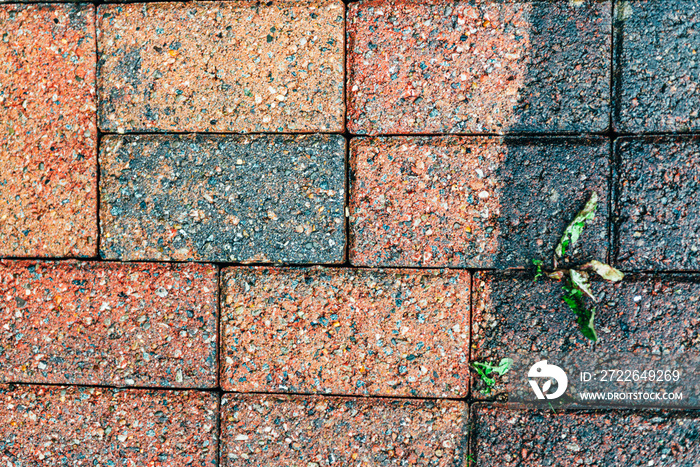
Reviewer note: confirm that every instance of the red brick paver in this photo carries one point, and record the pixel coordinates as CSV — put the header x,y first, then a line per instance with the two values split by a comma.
x,y
108,323
263,198
77,426
48,133
657,47
240,66
659,203
345,331
489,66
507,438
645,314
472,202
315,431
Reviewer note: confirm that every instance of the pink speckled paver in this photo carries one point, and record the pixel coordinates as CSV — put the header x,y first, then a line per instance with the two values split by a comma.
x,y
505,437
479,202
108,323
312,431
345,331
241,66
48,132
486,66
79,426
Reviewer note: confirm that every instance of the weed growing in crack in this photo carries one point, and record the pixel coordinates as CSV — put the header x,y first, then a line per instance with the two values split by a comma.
x,y
486,369
576,280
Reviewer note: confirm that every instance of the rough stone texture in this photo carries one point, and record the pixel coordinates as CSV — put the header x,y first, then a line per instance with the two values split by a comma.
x,y
506,438
473,202
216,198
657,45
658,204
345,331
108,323
240,66
306,431
475,67
78,426
48,133
646,314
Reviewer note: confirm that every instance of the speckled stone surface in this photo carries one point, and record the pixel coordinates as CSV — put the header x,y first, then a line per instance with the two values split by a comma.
x,y
506,438
48,133
315,431
657,47
476,67
473,202
108,323
241,66
79,426
643,313
658,204
216,198
345,331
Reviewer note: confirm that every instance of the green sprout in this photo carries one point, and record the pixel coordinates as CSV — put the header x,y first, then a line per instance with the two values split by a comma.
x,y
538,265
484,370
576,281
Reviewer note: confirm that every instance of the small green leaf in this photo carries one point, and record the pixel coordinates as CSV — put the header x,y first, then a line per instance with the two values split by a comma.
x,y
485,369
581,280
605,271
584,316
503,366
575,228
538,265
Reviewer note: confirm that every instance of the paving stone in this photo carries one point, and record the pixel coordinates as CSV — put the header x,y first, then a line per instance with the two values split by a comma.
x,y
345,331
56,426
108,323
241,66
658,222
506,437
658,71
48,135
475,67
473,202
648,314
307,431
259,198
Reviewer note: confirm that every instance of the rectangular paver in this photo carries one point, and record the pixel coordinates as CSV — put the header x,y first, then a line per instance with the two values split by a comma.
x,y
108,323
314,431
476,67
345,331
79,426
643,313
505,438
473,202
659,203
658,73
241,66
259,198
48,132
